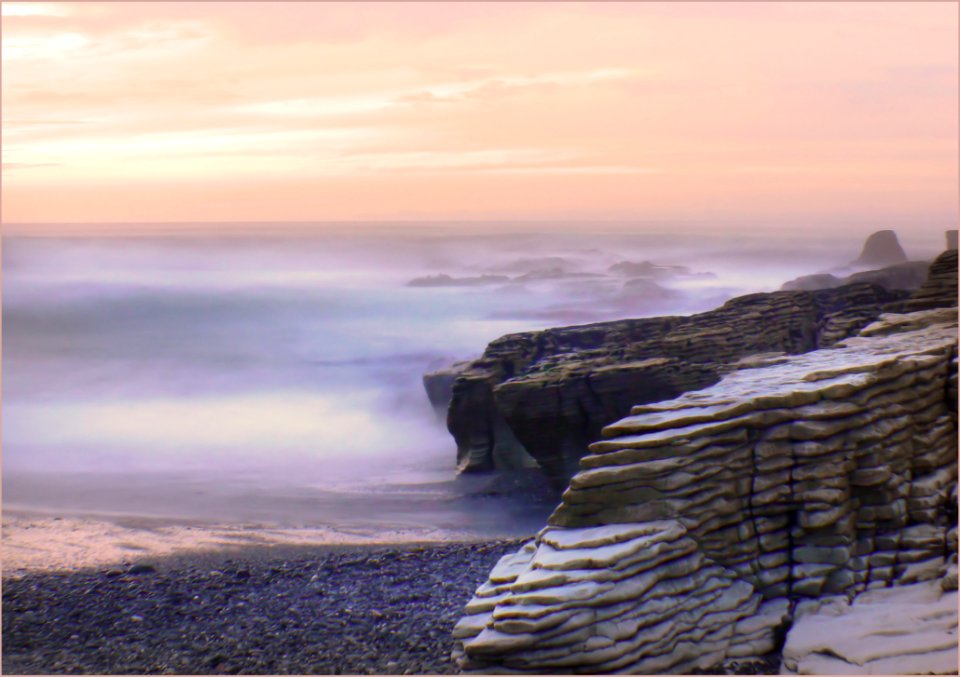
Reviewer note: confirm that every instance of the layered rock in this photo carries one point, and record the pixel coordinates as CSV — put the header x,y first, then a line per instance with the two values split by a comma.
x,y
887,631
881,249
940,289
691,532
550,392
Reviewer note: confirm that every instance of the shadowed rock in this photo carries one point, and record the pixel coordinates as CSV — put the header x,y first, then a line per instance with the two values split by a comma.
x,y
940,289
439,386
548,393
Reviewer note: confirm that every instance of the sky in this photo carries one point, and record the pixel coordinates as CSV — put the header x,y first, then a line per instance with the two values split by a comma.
x,y
807,114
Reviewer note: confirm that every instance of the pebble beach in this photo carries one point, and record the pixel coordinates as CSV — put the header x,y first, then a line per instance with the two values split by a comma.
x,y
274,608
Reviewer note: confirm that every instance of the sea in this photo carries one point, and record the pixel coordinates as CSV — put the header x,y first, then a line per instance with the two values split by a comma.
x,y
272,373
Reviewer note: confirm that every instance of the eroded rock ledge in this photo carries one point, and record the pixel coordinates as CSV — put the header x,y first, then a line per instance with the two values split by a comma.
x,y
695,530
549,393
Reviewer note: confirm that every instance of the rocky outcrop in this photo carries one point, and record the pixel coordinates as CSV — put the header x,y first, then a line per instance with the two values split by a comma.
x,y
940,289
813,282
694,531
439,387
550,392
910,276
881,249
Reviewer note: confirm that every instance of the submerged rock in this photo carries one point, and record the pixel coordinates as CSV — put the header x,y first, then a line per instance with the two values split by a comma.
x,y
698,529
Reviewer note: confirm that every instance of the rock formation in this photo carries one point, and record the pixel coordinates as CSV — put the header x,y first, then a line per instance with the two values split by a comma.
x,y
439,387
550,392
813,282
910,275
881,249
885,631
701,527
940,289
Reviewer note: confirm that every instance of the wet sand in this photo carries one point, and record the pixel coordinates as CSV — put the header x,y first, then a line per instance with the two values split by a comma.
x,y
37,542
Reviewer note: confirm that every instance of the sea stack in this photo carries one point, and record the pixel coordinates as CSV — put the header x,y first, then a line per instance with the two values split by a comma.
x,y
881,249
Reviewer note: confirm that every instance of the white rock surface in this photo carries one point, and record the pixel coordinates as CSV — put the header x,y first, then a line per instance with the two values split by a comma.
x,y
903,629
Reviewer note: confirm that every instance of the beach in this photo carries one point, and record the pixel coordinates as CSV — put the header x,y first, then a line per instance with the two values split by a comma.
x,y
132,595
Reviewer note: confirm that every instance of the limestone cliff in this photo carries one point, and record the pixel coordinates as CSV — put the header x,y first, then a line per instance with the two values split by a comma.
x,y
697,527
550,392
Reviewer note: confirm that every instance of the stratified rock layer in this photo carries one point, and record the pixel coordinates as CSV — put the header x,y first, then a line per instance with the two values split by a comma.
x,y
692,530
550,392
940,289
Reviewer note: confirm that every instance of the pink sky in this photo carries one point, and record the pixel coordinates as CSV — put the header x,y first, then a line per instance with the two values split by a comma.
x,y
814,113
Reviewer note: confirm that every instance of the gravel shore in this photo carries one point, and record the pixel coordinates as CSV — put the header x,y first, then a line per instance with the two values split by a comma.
x,y
310,610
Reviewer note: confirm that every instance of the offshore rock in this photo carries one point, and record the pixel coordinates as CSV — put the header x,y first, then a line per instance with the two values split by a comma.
x,y
549,393
881,249
700,528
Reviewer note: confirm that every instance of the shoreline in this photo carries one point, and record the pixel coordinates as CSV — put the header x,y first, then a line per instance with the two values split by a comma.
x,y
39,542
347,608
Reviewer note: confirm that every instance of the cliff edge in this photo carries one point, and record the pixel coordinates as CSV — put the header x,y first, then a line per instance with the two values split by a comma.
x,y
702,528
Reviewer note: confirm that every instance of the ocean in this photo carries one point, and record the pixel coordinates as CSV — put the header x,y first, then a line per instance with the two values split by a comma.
x,y
273,374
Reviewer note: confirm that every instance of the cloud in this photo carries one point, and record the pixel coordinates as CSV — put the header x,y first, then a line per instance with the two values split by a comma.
x,y
47,9
15,166
635,107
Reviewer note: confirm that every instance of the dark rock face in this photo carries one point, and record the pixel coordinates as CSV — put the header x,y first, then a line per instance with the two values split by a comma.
x,y
881,249
940,289
439,386
550,392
